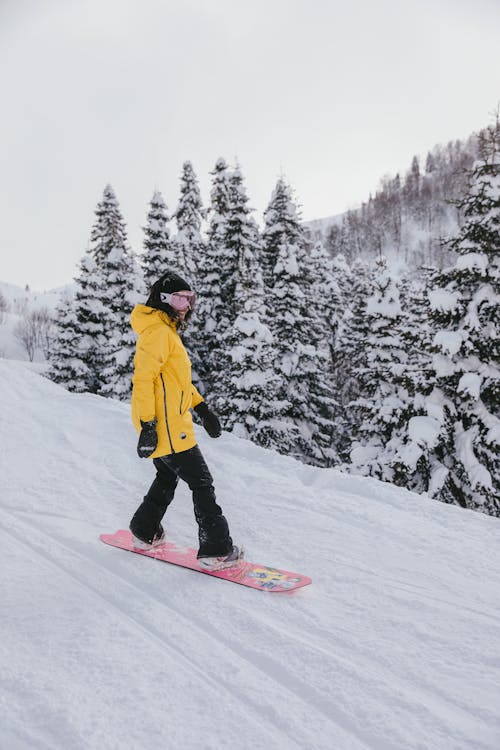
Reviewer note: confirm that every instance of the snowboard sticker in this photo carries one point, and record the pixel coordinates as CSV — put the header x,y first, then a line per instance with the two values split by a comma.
x,y
246,573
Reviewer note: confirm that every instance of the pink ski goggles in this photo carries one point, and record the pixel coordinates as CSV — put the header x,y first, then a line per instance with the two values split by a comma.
x,y
179,301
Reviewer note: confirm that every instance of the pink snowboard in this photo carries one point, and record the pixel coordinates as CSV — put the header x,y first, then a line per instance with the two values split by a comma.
x,y
246,573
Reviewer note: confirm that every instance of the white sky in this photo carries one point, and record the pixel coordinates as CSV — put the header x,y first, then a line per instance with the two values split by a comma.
x,y
332,94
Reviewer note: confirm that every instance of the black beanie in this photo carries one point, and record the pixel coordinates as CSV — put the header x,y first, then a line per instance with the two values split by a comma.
x,y
168,283
172,282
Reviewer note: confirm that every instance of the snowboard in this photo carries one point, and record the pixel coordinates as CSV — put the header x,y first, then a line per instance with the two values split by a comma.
x,y
246,573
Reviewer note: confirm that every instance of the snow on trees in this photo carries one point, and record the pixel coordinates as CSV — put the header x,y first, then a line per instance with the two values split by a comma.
x,y
67,367
349,356
281,224
237,253
94,344
322,300
293,274
117,293
382,399
210,312
250,403
76,359
189,249
466,319
160,252
410,454
189,214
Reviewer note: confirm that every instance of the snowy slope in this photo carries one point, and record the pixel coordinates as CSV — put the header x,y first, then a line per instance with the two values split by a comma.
x,y
395,645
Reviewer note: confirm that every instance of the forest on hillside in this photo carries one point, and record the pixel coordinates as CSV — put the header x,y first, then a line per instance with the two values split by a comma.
x,y
410,214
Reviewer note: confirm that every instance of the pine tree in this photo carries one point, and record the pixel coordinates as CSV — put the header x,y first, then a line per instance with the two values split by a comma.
x,y
189,214
301,331
220,198
293,355
210,312
241,239
409,455
66,366
240,233
281,224
76,357
466,318
99,356
342,278
117,292
323,297
350,356
160,252
250,403
383,402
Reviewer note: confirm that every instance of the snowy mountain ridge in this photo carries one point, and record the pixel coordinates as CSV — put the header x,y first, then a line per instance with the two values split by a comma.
x,y
394,645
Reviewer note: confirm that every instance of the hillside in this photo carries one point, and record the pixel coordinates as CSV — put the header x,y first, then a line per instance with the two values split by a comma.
x,y
410,213
394,645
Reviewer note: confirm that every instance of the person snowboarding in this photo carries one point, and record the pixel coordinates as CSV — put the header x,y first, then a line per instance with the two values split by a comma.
x,y
162,398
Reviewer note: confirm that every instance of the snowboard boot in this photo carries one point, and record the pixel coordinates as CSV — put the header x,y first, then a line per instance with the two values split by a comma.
x,y
147,544
231,560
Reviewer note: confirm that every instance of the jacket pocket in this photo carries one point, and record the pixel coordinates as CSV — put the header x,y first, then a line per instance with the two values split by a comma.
x,y
180,405
165,412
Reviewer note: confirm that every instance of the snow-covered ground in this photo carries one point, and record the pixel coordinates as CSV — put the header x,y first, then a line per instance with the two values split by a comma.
x,y
394,646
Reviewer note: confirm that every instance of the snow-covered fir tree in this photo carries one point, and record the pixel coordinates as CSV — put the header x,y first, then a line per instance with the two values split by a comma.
x,y
240,233
301,335
64,367
220,197
240,239
349,356
383,401
342,281
410,459
322,300
74,355
293,353
281,224
189,214
160,252
210,312
290,256
466,317
94,344
118,292
251,384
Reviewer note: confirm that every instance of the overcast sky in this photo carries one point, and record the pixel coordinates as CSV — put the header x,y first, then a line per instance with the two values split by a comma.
x,y
332,94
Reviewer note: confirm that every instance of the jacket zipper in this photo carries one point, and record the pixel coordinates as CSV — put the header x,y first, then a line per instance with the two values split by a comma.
x,y
180,405
165,408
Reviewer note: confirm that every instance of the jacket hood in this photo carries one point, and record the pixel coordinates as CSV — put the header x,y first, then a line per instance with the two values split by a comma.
x,y
143,317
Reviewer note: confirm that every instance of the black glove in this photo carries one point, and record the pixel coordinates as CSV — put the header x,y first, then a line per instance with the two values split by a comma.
x,y
148,439
209,420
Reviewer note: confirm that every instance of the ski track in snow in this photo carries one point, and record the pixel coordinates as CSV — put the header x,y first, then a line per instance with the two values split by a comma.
x,y
394,646
276,674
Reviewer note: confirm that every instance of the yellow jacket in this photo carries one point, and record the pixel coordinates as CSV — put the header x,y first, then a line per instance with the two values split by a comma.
x,y
162,386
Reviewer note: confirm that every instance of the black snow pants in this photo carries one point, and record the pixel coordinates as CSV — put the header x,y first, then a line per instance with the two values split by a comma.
x,y
190,466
